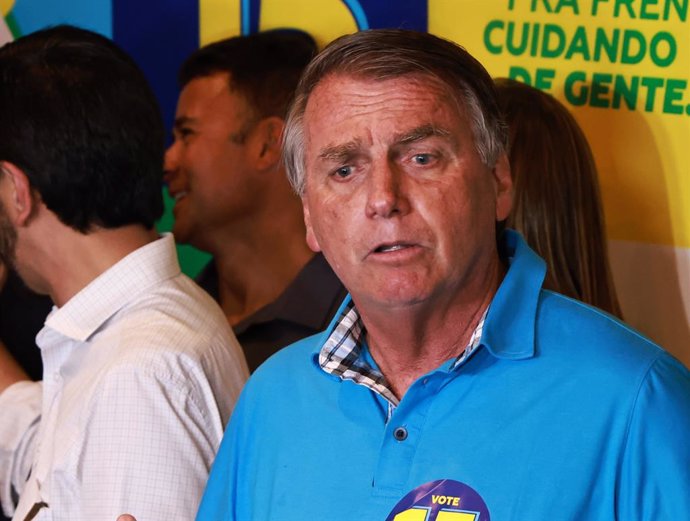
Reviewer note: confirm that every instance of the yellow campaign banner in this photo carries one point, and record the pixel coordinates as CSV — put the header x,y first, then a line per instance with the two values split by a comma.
x,y
6,6
5,34
325,20
622,67
219,19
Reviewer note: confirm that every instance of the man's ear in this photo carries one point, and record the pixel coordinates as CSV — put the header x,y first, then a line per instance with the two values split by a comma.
x,y
503,182
22,201
268,134
312,241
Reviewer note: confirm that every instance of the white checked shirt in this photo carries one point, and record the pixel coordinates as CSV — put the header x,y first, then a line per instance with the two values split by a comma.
x,y
141,372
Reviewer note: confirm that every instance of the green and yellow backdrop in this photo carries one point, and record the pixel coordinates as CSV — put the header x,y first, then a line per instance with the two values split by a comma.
x,y
621,66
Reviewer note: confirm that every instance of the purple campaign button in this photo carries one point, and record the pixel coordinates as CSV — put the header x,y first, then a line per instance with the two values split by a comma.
x,y
441,500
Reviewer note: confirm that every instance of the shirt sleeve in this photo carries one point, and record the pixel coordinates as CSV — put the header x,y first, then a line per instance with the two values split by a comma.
x,y
20,413
655,472
149,448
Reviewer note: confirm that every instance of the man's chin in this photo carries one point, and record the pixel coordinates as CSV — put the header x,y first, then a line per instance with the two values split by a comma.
x,y
181,233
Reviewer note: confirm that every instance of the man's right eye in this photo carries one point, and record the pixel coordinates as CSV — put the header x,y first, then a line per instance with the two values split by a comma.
x,y
181,133
343,171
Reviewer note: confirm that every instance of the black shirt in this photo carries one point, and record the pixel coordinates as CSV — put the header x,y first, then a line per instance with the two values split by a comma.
x,y
303,309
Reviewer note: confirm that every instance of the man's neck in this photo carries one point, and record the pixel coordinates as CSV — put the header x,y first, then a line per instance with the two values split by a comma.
x,y
409,342
76,259
254,269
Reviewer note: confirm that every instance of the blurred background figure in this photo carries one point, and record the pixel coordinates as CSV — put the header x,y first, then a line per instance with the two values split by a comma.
x,y
556,202
141,370
22,313
232,197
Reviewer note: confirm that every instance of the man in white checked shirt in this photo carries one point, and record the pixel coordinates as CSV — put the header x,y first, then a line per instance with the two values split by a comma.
x,y
141,370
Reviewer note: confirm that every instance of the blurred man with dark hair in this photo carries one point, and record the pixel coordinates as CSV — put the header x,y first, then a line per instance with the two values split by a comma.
x,y
232,197
140,369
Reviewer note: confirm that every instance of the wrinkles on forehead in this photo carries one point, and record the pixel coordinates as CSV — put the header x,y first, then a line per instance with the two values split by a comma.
x,y
343,99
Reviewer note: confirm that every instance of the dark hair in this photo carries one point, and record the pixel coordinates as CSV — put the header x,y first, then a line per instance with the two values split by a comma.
x,y
389,53
263,67
556,201
78,117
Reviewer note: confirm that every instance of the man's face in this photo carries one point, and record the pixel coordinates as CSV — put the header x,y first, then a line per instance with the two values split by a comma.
x,y
397,196
207,165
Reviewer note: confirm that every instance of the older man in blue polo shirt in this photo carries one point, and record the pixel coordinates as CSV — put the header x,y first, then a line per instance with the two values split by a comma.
x,y
450,386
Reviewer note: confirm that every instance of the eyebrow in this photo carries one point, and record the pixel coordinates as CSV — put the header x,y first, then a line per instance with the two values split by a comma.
x,y
182,121
346,151
341,152
421,133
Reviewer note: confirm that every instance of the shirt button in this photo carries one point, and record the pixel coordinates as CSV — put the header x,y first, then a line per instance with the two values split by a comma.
x,y
400,434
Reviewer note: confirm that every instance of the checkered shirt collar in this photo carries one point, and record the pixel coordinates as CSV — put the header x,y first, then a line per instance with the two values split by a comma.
x,y
342,353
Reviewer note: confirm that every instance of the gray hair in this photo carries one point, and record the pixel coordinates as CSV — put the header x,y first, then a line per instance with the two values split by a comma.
x,y
390,53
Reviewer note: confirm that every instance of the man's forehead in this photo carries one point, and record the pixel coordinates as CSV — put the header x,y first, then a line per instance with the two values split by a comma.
x,y
208,83
432,107
211,93
334,89
363,80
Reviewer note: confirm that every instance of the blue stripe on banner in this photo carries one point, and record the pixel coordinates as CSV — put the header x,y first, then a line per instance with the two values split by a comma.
x,y
408,14
404,14
358,14
251,12
30,16
245,16
159,34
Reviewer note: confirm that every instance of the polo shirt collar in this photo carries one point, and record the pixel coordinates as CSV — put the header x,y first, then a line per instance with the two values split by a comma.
x,y
509,327
509,330
104,296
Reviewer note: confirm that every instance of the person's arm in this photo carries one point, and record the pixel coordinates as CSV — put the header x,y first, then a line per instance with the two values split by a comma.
x,y
20,414
655,470
20,411
10,370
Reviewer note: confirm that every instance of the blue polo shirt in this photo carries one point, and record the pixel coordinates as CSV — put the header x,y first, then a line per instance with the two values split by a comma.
x,y
561,413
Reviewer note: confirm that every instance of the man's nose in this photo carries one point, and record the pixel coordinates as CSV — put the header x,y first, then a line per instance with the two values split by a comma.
x,y
386,195
170,160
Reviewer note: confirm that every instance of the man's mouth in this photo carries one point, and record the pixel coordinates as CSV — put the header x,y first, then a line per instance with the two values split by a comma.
x,y
387,248
179,195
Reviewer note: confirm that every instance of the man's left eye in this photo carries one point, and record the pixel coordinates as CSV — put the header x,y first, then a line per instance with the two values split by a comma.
x,y
343,171
422,159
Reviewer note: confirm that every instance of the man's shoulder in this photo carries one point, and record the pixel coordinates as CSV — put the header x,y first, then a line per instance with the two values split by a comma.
x,y
296,358
585,334
174,324
171,337
180,302
561,313
290,372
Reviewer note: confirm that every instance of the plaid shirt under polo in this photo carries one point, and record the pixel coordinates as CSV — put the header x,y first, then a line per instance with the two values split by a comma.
x,y
342,354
